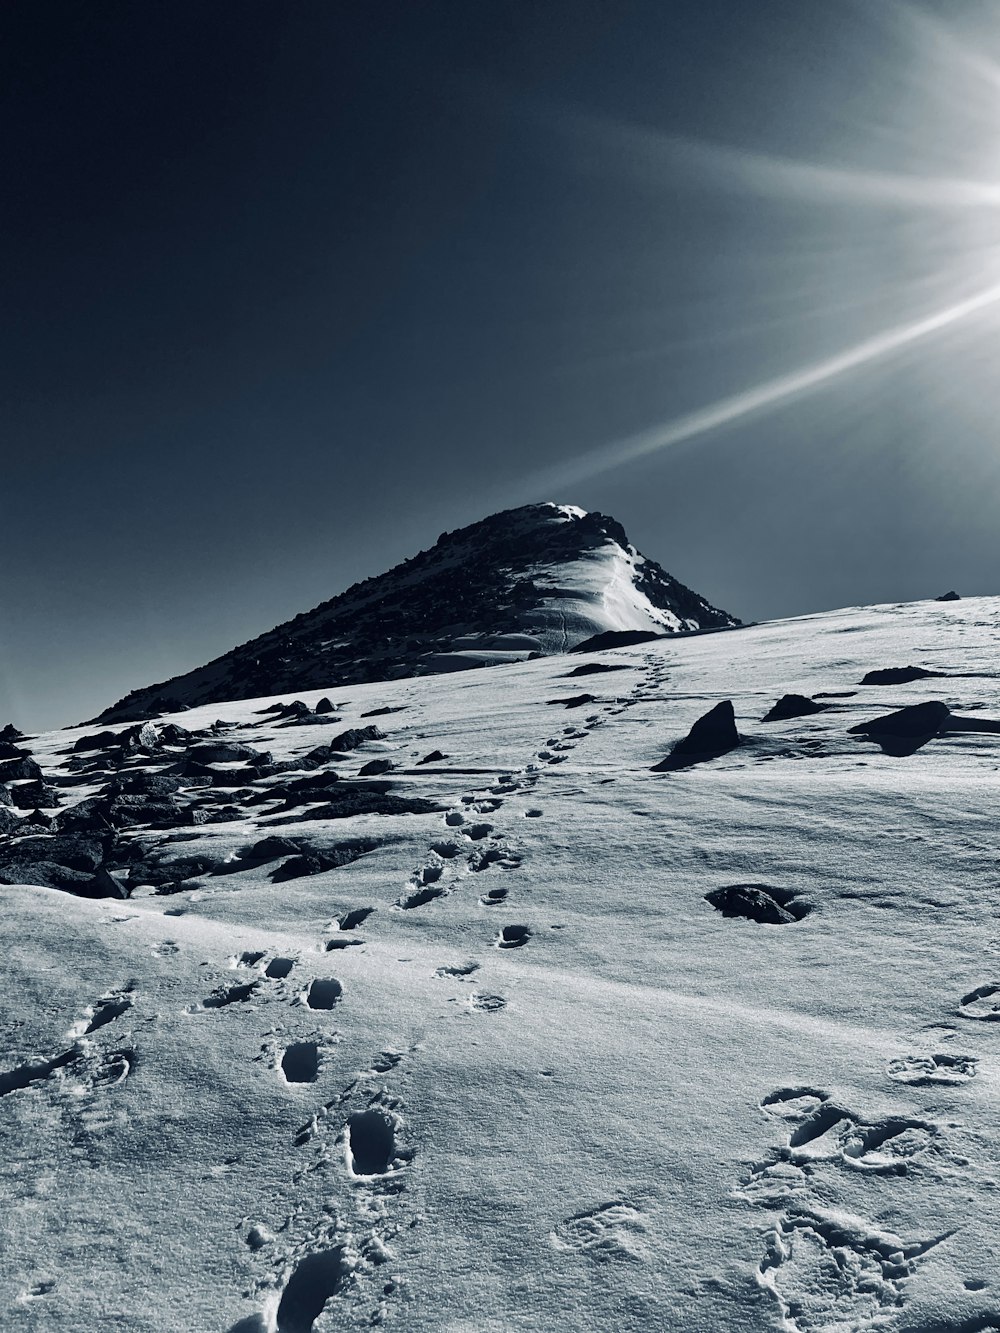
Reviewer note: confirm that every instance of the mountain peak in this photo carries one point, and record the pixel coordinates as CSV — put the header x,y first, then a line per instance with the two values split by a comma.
x,y
537,579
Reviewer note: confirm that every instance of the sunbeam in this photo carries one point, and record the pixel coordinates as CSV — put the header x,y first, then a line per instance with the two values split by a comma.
x,y
764,396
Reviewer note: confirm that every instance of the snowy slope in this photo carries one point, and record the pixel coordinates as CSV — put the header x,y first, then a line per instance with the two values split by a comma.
x,y
644,1116
539,579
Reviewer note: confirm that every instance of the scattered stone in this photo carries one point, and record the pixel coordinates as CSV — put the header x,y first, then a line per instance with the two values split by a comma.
x,y
381,712
13,770
616,638
31,795
594,668
9,822
270,849
758,902
905,731
434,757
793,705
226,752
898,675
355,736
376,766
714,734
574,701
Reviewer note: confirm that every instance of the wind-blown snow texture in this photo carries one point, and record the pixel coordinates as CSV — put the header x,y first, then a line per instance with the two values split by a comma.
x,y
503,1063
536,579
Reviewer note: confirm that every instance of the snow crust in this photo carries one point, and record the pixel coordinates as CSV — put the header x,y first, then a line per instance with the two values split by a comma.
x,y
636,1115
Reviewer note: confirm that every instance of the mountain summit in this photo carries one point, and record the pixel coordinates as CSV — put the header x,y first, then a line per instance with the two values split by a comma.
x,y
539,579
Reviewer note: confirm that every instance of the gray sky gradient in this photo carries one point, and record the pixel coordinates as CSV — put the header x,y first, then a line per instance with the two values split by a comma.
x,y
290,289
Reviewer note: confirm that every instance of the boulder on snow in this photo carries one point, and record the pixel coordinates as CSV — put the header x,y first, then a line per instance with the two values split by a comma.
x,y
374,767
948,597
898,675
434,757
31,795
905,731
14,770
226,752
355,736
758,902
616,638
793,705
714,734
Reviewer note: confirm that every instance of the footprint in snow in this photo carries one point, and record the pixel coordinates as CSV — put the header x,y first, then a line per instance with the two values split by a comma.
x,y
323,993
926,1070
612,1231
513,937
457,970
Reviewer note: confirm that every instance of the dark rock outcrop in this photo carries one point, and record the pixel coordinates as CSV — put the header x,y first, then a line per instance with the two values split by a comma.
x,y
793,705
898,675
759,902
714,734
905,731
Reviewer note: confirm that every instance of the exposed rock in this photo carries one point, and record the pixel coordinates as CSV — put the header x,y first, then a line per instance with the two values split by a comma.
x,y
79,852
324,706
270,849
434,757
616,638
905,731
594,668
714,734
11,733
793,705
376,766
52,876
31,795
365,798
948,597
9,822
8,750
140,783
226,752
574,701
13,770
355,736
383,712
898,675
758,902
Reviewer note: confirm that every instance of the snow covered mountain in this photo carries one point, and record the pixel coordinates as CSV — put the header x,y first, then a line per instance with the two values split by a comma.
x,y
538,579
456,1008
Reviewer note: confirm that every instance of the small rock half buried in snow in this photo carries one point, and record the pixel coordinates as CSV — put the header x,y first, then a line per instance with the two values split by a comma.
x,y
759,902
793,705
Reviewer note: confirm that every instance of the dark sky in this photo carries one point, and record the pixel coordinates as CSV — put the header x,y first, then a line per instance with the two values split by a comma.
x,y
289,288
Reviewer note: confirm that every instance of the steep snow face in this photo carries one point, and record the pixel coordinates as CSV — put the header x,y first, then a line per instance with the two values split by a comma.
x,y
526,1036
540,579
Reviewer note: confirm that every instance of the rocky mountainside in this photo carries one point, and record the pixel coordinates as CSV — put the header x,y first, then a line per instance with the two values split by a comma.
x,y
538,579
